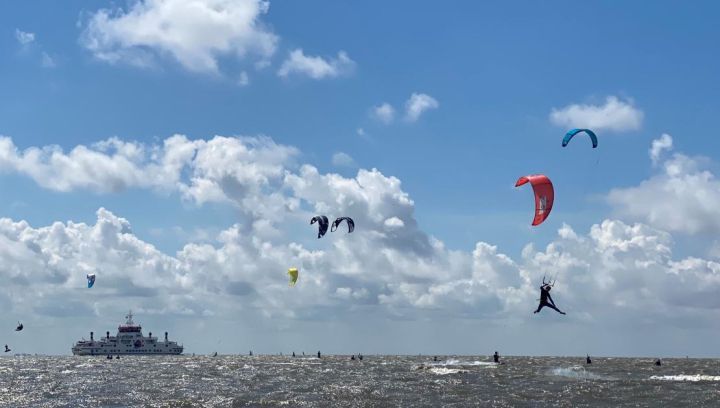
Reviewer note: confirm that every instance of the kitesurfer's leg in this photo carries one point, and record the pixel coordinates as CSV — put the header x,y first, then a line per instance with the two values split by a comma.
x,y
540,306
554,307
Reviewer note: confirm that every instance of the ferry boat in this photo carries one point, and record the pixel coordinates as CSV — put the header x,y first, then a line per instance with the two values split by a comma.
x,y
128,340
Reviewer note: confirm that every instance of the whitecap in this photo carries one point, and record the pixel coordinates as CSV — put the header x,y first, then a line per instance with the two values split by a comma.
x,y
576,372
686,377
446,371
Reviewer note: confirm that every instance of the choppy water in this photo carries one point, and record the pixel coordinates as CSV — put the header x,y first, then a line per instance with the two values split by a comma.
x,y
377,381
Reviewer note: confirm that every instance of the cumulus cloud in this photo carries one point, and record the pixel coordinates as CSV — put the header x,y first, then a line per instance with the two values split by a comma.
x,y
342,159
615,114
316,67
665,142
196,33
385,113
24,38
615,267
389,263
418,104
682,197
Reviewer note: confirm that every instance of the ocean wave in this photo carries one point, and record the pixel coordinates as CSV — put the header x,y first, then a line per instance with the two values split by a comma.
x,y
446,371
686,377
455,362
577,372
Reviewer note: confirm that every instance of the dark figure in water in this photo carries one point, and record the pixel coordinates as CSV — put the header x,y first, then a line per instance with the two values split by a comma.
x,y
546,299
318,354
587,359
435,358
496,357
117,357
657,362
360,356
353,357
250,353
7,348
293,354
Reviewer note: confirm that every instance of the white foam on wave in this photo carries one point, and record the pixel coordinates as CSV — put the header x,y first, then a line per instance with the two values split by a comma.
x,y
686,377
454,362
576,372
446,371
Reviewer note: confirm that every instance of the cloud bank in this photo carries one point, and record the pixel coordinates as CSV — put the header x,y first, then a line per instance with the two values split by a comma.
x,y
388,264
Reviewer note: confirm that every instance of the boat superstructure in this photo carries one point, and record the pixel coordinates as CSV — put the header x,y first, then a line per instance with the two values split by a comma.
x,y
128,340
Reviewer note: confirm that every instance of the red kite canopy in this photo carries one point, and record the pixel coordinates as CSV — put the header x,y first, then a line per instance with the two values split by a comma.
x,y
544,195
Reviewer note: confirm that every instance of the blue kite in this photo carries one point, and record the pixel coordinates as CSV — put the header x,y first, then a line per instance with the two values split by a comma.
x,y
569,135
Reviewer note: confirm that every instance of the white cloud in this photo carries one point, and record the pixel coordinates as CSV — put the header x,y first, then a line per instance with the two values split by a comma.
x,y
659,145
388,264
615,114
385,113
196,33
360,131
343,160
394,222
682,197
23,37
220,170
418,104
316,67
48,61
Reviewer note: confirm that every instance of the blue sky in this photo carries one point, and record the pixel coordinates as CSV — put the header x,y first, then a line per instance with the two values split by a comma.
x,y
495,71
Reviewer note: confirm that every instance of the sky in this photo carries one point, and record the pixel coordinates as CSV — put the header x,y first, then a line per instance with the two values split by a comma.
x,y
178,149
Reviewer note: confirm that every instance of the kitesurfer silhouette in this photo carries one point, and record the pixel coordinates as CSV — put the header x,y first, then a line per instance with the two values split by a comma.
x,y
587,360
496,357
546,299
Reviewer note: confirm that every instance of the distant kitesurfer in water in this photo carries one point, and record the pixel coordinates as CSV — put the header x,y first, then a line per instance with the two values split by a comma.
x,y
7,348
657,362
546,299
318,354
496,357
587,359
293,354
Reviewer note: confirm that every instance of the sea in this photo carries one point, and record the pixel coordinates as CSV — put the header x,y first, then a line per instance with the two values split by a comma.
x,y
338,381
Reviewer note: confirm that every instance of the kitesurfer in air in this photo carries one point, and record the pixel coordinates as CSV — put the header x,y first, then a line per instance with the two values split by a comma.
x,y
546,299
